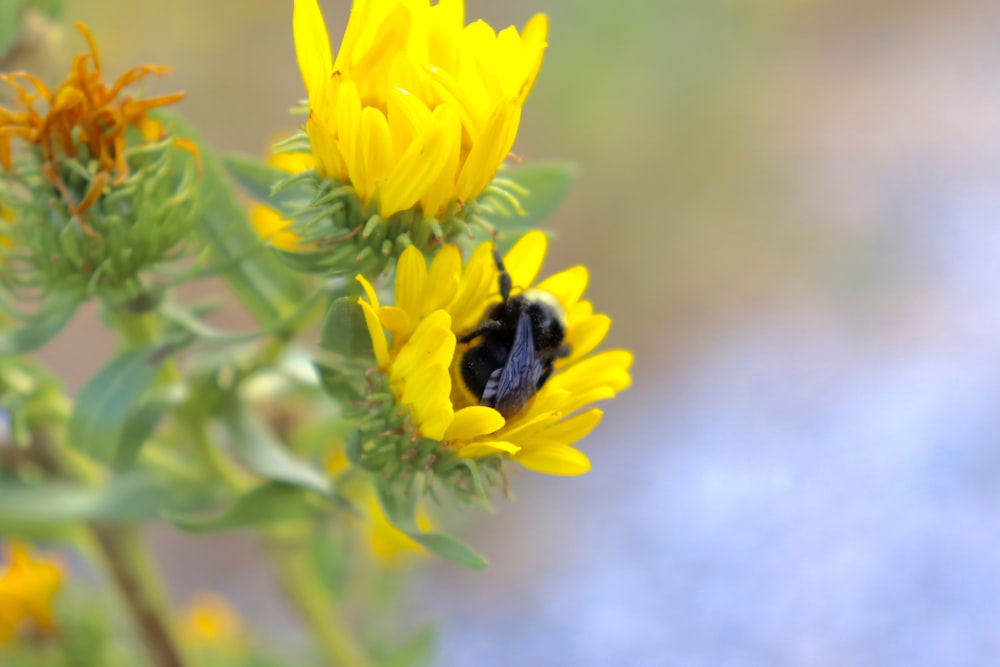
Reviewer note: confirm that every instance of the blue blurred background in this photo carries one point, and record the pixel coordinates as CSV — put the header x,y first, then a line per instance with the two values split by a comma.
x,y
791,210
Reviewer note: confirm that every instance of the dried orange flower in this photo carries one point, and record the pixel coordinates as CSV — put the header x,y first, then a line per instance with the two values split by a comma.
x,y
84,114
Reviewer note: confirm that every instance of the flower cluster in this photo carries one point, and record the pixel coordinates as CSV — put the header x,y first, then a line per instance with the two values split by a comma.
x,y
417,107
28,586
98,172
436,305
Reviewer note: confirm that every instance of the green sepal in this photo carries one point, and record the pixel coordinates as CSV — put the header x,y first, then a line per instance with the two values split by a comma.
x,y
134,496
538,189
104,406
262,453
43,327
400,506
345,331
273,502
261,282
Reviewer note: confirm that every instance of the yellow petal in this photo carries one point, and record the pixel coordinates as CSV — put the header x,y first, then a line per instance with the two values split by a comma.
x,y
586,336
441,190
442,279
312,46
369,291
397,322
274,229
380,346
428,392
524,260
473,422
573,429
411,280
567,286
489,150
377,147
533,38
348,115
554,459
609,368
478,450
419,167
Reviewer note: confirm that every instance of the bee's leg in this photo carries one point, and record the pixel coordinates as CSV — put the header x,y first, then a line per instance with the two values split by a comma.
x,y
505,281
564,351
487,327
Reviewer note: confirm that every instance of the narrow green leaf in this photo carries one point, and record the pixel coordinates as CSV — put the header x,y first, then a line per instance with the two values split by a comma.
x,y
344,330
258,179
134,496
103,405
265,455
269,503
42,328
267,288
400,508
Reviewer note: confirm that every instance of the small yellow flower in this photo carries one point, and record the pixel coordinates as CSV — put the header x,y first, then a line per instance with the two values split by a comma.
x,y
83,112
28,586
268,222
210,622
417,108
435,306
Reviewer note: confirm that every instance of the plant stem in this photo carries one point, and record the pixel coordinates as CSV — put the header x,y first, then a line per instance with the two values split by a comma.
x,y
131,568
296,573
125,558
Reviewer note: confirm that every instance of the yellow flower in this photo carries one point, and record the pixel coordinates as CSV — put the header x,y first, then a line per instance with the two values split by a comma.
x,y
27,589
83,112
386,542
6,217
210,622
417,108
268,222
435,306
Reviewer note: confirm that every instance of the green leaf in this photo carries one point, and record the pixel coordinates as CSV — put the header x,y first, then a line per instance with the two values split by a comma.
x,y
41,328
331,558
418,649
400,507
10,22
273,502
103,406
139,425
188,320
345,331
265,455
134,496
262,283
258,179
546,186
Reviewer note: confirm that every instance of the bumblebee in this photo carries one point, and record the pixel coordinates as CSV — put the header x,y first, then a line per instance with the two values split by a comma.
x,y
514,347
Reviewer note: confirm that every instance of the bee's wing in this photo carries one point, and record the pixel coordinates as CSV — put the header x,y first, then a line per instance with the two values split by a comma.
x,y
511,386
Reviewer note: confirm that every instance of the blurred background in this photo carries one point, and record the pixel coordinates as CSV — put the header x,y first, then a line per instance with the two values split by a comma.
x,y
790,210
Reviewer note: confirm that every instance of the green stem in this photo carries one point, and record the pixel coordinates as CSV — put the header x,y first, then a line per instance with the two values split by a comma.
x,y
131,567
125,557
297,574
